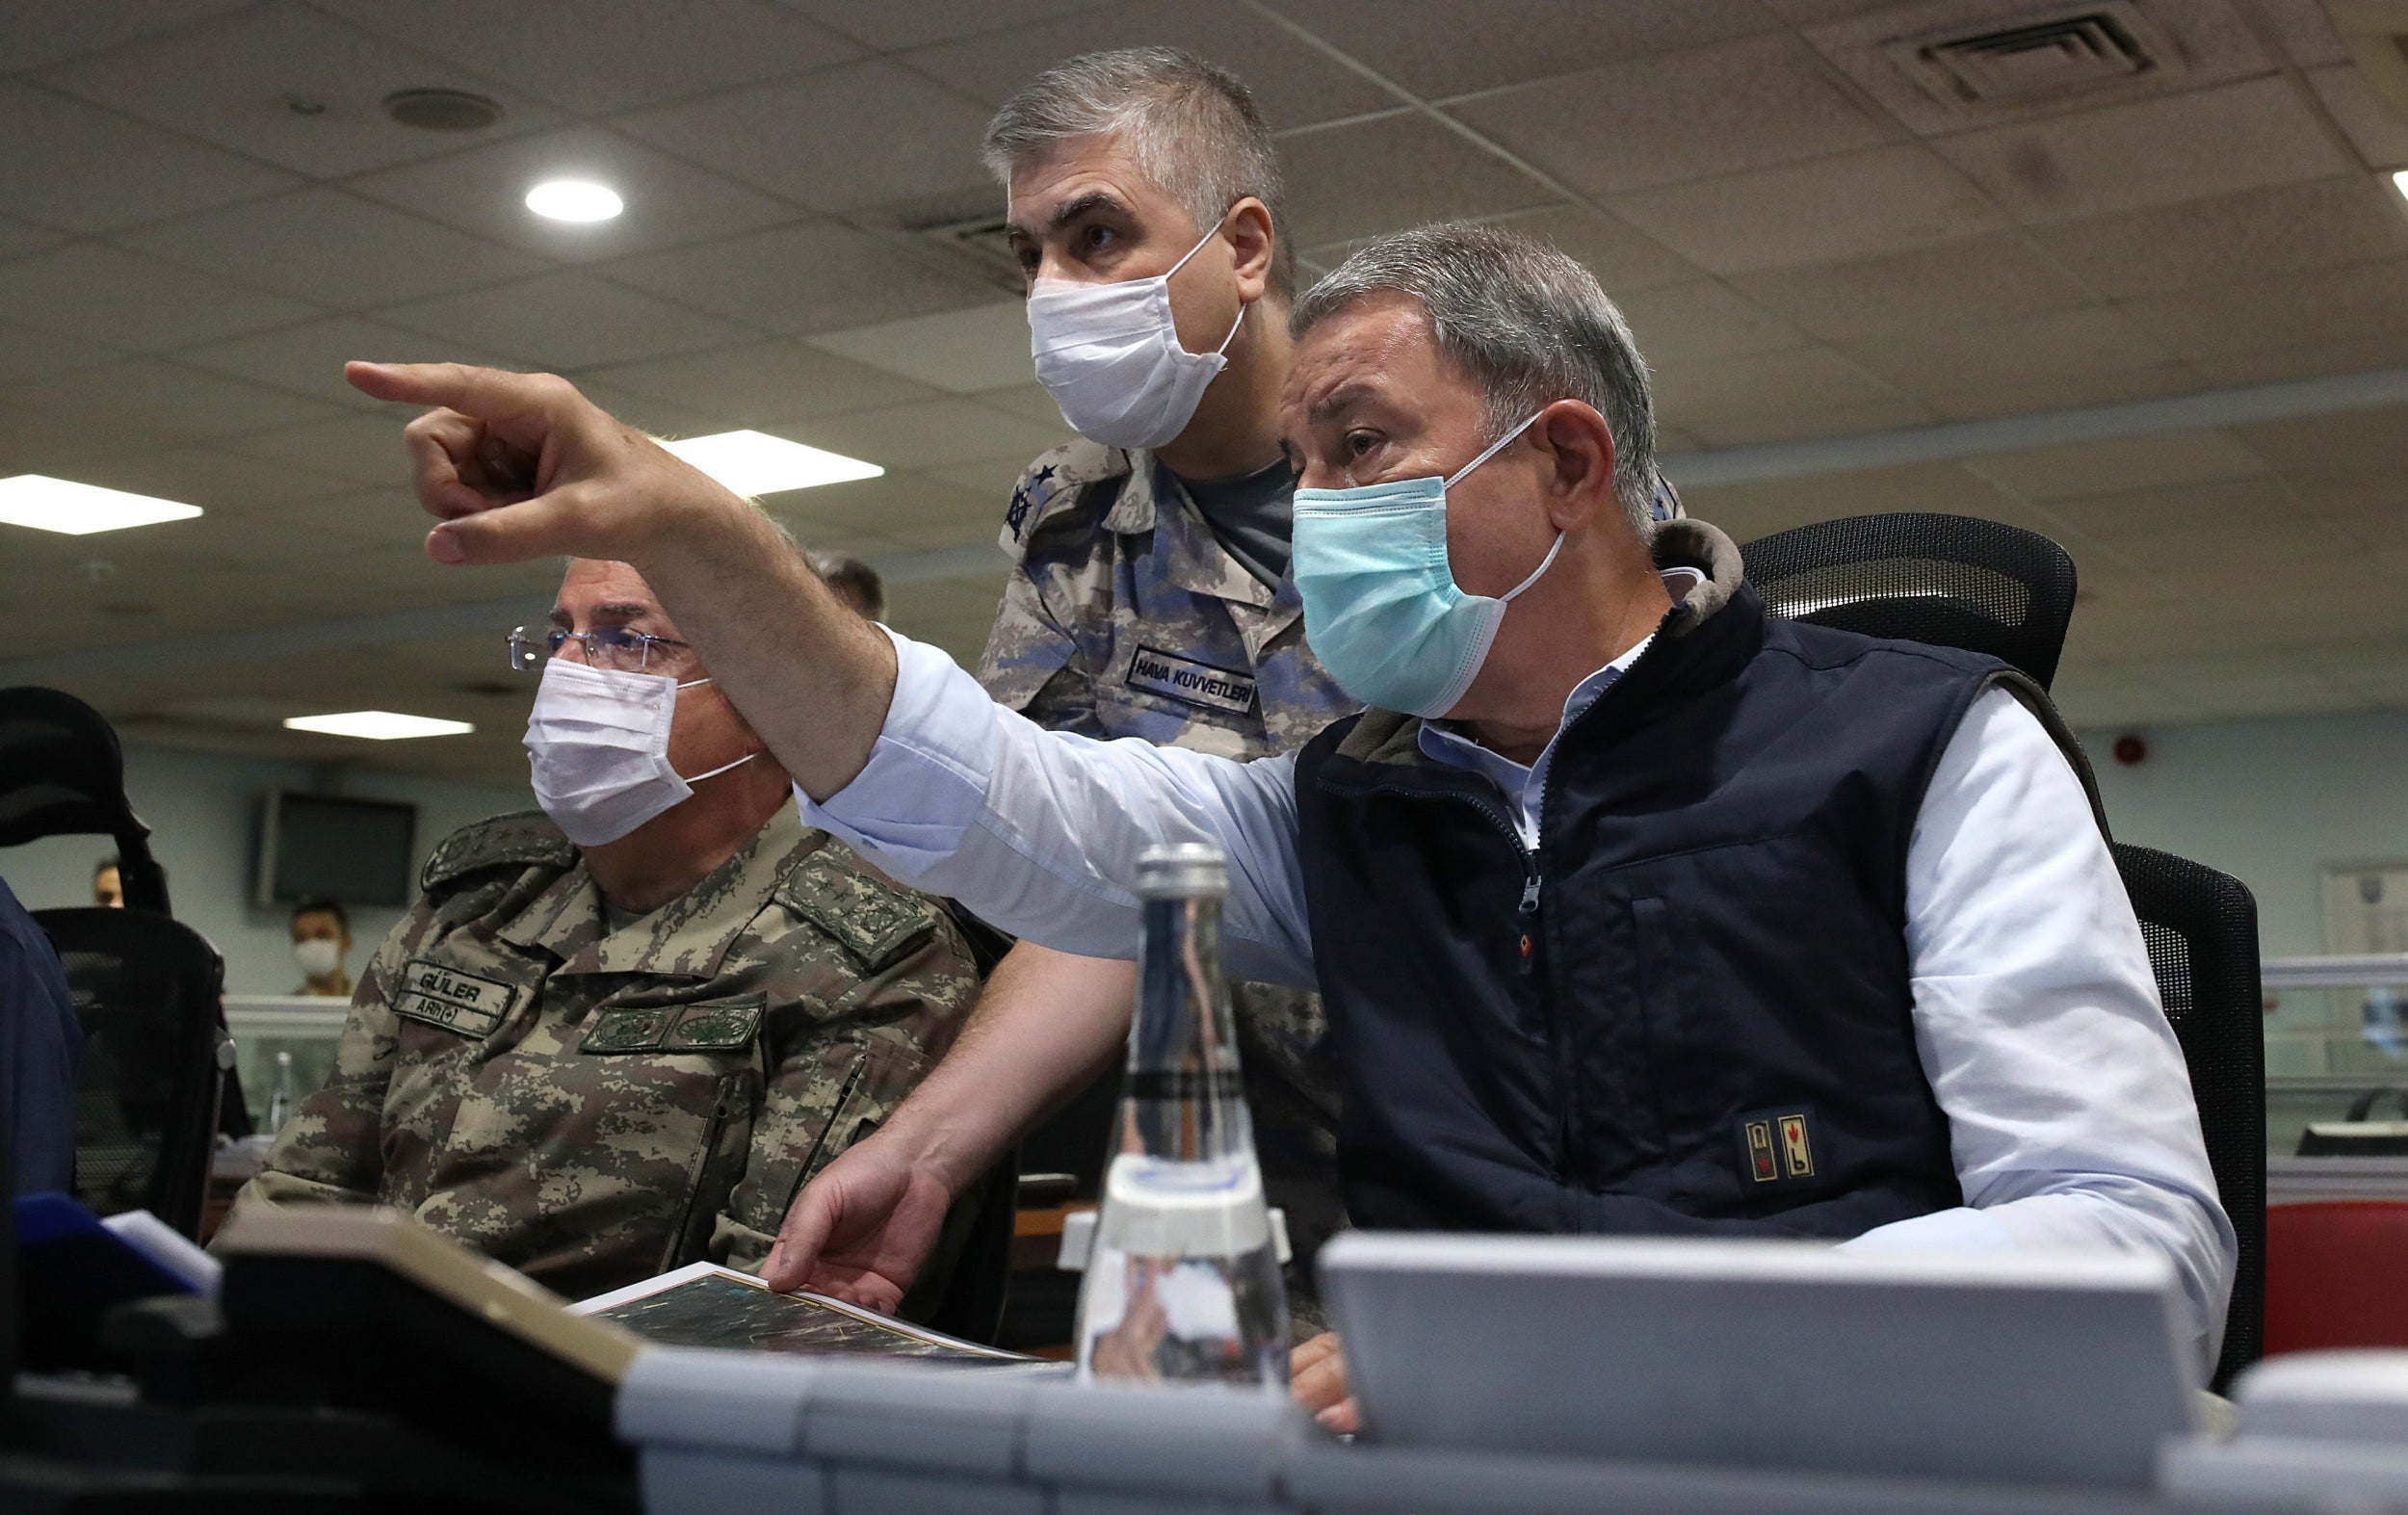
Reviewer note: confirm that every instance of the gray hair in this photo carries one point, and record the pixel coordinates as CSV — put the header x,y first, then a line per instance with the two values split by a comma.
x,y
1528,324
853,580
1191,126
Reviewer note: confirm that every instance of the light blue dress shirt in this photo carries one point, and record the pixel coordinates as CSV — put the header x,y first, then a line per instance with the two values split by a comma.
x,y
2036,1017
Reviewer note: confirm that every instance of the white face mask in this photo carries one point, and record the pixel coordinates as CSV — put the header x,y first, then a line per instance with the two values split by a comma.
x,y
597,745
1109,355
318,956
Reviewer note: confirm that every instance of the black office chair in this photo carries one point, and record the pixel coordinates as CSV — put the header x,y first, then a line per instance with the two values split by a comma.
x,y
147,992
2202,930
1952,580
156,1082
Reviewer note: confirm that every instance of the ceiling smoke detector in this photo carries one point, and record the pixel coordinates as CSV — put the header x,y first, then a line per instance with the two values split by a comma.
x,y
2060,53
442,110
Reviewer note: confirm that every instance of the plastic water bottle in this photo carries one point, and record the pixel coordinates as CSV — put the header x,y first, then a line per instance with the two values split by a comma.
x,y
281,1099
1183,1281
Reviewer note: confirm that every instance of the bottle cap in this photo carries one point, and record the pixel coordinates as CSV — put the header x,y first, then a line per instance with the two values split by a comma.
x,y
1183,871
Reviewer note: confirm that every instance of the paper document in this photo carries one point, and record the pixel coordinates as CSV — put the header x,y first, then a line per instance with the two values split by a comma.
x,y
705,1305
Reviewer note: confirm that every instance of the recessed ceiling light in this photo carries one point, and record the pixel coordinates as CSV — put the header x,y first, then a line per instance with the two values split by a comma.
x,y
751,462
2400,181
575,199
442,110
378,726
78,509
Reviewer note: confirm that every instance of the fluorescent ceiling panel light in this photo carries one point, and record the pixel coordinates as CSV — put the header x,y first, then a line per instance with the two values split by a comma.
x,y
2400,181
751,462
378,726
575,199
78,509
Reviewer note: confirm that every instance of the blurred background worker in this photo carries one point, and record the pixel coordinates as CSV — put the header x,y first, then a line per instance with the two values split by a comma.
x,y
107,892
322,947
855,581
615,1036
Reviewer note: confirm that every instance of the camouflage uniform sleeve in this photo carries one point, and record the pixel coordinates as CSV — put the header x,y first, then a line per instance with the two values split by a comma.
x,y
874,1043
330,1150
1031,663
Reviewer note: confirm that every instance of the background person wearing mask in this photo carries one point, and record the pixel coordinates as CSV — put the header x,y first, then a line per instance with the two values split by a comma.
x,y
1639,911
614,1037
1149,597
321,947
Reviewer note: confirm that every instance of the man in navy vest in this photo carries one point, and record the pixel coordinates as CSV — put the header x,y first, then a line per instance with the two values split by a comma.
x,y
1635,910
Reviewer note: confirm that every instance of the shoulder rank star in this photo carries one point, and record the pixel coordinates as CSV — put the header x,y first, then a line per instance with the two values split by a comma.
x,y
1023,501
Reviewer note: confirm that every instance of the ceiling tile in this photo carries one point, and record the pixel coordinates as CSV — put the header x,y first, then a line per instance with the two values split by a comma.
x,y
2364,117
564,321
764,383
1799,380
2348,444
27,354
2176,147
593,59
889,27
651,413
2304,29
230,83
363,449
216,480
994,477
104,294
66,446
1028,400
1622,258
18,238
79,169
860,134
2230,239
46,31
1354,181
167,400
929,433
2271,315
1809,416
899,507
322,245
800,279
983,346
1979,278
484,191
1702,320
1293,84
309,358
1438,49
2126,463
2041,346
1747,104
1895,198
1977,394
2260,508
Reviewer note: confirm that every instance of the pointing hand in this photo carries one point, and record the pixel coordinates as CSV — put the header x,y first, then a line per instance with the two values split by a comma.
x,y
522,465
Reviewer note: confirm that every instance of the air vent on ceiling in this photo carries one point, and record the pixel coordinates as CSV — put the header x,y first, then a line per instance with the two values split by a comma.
x,y
980,243
2063,52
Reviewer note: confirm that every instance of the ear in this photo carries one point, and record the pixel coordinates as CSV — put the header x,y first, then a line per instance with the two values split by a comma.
x,y
1247,226
1577,449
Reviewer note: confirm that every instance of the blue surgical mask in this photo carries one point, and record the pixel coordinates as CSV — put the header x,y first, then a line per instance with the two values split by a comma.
x,y
1381,608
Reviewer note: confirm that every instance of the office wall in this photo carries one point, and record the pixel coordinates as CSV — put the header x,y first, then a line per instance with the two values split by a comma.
x,y
203,813
2268,802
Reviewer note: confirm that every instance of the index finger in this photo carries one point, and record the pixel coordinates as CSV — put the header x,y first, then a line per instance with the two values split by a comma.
x,y
490,394
799,1236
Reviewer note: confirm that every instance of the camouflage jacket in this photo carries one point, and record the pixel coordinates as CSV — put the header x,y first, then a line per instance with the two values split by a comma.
x,y
1126,618
594,1107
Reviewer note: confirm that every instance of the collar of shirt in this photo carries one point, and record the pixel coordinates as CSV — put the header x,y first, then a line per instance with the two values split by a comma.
x,y
1523,785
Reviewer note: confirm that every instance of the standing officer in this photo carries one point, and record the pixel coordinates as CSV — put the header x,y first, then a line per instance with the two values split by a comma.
x,y
1149,597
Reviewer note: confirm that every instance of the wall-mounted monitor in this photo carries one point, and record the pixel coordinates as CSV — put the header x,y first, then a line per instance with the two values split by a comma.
x,y
334,847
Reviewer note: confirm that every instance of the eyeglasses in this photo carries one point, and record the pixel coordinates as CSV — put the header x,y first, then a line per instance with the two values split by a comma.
x,y
612,647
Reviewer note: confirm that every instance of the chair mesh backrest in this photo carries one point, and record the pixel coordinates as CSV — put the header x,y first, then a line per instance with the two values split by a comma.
x,y
62,775
1952,580
2202,930
146,992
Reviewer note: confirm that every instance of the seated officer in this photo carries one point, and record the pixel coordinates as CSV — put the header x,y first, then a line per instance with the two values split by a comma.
x,y
1635,910
616,1040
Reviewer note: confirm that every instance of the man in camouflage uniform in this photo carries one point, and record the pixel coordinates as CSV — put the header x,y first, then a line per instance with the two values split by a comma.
x,y
598,1063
